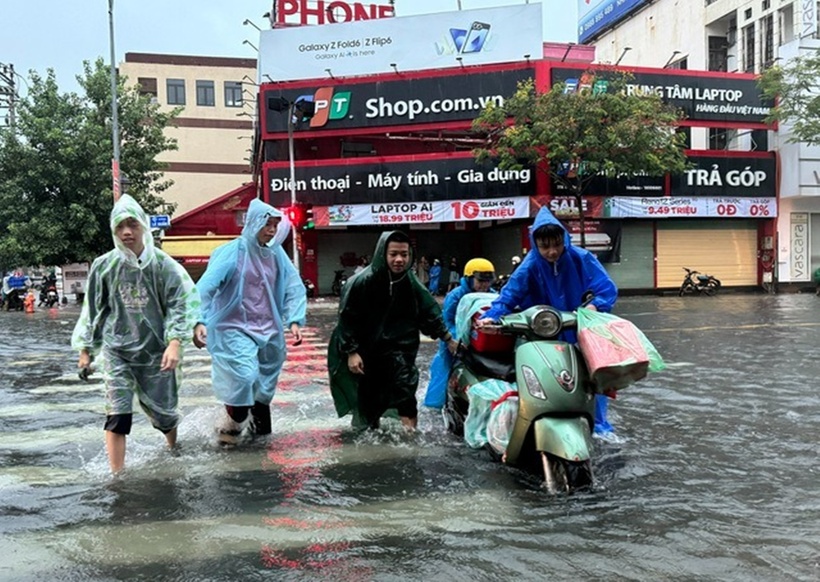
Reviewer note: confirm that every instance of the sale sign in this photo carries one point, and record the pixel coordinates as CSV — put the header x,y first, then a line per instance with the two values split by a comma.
x,y
422,212
689,207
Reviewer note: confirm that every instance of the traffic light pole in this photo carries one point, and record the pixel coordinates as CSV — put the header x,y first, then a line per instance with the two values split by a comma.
x,y
292,164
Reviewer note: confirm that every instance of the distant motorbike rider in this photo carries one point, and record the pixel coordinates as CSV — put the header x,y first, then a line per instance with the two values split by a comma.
x,y
558,275
479,275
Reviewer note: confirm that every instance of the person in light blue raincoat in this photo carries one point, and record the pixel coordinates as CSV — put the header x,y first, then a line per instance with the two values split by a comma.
x,y
140,308
558,274
479,275
251,293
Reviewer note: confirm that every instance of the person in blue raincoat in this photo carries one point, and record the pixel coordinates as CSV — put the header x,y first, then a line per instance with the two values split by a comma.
x,y
558,274
251,293
435,276
479,275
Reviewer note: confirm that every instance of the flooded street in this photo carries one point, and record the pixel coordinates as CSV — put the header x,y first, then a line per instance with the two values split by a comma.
x,y
715,475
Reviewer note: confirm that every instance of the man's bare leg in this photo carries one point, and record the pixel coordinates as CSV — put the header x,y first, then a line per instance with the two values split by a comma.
x,y
115,445
409,423
171,438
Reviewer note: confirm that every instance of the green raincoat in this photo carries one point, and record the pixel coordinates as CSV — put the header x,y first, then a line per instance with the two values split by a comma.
x,y
133,308
380,317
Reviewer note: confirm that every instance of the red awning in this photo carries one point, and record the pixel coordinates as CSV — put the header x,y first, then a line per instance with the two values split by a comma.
x,y
221,216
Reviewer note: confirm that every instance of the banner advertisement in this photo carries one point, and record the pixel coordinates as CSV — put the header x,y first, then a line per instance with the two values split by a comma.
x,y
397,100
727,176
701,98
408,43
603,238
389,181
596,15
800,259
683,207
422,212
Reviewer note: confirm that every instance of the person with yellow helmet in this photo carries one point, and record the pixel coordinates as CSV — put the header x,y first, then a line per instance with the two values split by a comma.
x,y
479,275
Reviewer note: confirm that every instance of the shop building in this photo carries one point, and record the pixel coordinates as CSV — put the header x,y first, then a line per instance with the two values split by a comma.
x,y
735,36
390,148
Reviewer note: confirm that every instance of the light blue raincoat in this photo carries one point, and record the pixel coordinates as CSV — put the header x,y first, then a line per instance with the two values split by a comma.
x,y
134,306
250,294
443,361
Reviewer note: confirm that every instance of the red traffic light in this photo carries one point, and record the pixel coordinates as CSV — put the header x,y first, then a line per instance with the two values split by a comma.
x,y
296,215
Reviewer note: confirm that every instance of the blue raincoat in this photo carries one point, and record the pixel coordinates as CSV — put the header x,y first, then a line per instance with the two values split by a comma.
x,y
443,361
435,275
562,284
250,294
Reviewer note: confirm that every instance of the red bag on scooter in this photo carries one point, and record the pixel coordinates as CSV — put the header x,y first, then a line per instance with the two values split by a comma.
x,y
616,352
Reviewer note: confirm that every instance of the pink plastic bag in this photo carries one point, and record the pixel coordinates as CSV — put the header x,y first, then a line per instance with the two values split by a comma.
x,y
613,348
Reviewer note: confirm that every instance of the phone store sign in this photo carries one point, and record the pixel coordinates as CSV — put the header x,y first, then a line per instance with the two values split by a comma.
x,y
596,15
422,212
399,101
409,43
304,12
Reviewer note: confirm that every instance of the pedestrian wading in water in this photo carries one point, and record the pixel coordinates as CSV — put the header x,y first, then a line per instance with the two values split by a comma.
x,y
372,351
140,307
251,293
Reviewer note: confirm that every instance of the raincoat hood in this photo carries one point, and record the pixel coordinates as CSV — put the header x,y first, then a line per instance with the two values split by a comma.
x,y
545,218
379,263
255,219
126,207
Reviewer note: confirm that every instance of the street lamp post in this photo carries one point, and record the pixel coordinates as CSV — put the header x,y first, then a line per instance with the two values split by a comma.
x,y
292,165
115,129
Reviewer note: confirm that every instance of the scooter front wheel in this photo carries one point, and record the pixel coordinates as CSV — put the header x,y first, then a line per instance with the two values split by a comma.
x,y
569,476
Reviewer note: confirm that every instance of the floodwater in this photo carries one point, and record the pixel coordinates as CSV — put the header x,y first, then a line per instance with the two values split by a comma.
x,y
714,475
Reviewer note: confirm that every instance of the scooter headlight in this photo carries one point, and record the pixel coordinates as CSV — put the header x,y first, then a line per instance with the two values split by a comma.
x,y
546,323
532,382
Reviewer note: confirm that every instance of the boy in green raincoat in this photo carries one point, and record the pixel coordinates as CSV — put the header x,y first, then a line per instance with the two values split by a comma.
x,y
139,308
372,352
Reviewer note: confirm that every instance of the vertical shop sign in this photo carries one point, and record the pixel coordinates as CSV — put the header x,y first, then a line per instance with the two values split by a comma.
x,y
799,264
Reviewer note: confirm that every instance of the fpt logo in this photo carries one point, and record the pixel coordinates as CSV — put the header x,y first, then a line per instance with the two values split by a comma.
x,y
327,105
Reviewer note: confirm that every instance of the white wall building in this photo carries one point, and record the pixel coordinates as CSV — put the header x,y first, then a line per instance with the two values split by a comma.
x,y
734,36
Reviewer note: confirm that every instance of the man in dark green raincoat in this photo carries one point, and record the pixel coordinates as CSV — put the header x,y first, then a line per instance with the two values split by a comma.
x,y
372,352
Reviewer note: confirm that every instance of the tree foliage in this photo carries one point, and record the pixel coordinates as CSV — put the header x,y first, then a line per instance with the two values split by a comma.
x,y
796,88
55,167
576,136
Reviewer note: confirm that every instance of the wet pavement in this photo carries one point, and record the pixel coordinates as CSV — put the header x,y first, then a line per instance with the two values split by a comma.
x,y
714,475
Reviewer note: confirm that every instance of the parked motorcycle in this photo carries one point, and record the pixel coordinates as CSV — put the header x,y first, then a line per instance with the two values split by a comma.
x,y
339,281
14,300
310,288
696,282
556,398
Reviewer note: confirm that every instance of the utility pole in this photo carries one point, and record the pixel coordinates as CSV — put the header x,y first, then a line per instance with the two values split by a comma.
x,y
8,93
115,129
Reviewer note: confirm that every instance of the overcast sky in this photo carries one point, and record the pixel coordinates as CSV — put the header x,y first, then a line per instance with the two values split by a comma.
x,y
61,34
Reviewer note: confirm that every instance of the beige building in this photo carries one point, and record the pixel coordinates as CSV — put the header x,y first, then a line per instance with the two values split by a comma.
x,y
214,131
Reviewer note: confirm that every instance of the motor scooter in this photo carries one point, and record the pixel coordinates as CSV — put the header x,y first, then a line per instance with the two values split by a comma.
x,y
695,282
48,296
556,397
310,288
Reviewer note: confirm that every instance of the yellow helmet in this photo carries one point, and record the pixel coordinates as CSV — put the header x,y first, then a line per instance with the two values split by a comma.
x,y
481,269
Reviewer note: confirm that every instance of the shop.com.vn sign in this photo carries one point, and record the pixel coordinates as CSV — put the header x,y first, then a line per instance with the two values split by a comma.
x,y
304,12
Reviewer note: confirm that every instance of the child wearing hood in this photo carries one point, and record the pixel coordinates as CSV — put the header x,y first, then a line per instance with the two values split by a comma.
x,y
251,293
558,275
140,306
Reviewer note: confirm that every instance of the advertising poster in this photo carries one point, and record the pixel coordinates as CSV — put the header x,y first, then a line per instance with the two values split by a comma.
x,y
410,43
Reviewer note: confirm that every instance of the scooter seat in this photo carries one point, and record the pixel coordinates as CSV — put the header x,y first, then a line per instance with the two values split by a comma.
x,y
500,365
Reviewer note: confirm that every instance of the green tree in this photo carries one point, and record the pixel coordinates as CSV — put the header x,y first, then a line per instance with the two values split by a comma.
x,y
55,167
797,90
576,136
